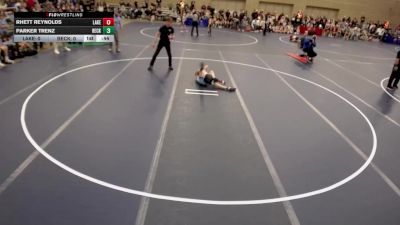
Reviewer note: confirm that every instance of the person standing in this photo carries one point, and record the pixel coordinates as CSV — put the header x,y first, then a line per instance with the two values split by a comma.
x,y
165,34
117,29
195,23
192,5
57,44
241,21
210,24
395,76
264,25
181,5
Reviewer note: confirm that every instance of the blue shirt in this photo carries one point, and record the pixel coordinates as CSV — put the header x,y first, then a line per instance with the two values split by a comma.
x,y
308,43
200,80
117,23
2,23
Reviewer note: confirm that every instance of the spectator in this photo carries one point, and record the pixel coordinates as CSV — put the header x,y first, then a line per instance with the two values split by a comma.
x,y
117,31
30,4
4,53
395,76
4,26
195,23
380,32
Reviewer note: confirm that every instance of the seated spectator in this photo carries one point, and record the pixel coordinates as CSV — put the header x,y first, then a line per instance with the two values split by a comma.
x,y
364,35
25,49
380,32
4,26
18,50
294,38
100,8
256,24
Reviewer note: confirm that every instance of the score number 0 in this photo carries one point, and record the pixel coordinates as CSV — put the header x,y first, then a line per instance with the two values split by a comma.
x,y
108,21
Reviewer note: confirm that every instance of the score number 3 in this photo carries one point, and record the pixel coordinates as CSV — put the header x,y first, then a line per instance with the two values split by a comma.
x,y
108,30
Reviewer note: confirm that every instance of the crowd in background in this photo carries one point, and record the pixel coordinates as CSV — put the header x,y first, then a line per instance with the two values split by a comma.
x,y
256,21
347,28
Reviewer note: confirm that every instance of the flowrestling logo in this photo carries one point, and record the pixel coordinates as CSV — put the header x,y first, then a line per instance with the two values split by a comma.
x,y
57,15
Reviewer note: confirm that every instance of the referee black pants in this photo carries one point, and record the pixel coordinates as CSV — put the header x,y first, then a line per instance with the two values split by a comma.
x,y
159,47
195,24
395,76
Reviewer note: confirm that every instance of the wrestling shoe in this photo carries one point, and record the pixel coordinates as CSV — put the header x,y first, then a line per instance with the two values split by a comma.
x,y
231,89
8,60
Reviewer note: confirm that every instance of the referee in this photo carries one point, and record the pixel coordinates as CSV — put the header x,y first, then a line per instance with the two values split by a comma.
x,y
165,33
395,76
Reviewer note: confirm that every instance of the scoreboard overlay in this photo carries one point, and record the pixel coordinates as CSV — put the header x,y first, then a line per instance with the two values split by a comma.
x,y
64,27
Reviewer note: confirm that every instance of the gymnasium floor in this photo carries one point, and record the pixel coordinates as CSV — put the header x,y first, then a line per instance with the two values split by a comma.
x,y
106,129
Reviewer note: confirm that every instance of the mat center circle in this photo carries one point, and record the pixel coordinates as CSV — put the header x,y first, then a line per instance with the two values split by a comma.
x,y
193,200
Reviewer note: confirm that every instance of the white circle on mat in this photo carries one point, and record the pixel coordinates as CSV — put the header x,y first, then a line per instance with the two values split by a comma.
x,y
255,40
194,200
387,92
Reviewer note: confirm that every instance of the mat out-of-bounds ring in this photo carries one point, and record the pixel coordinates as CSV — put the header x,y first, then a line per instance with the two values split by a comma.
x,y
195,200
388,92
